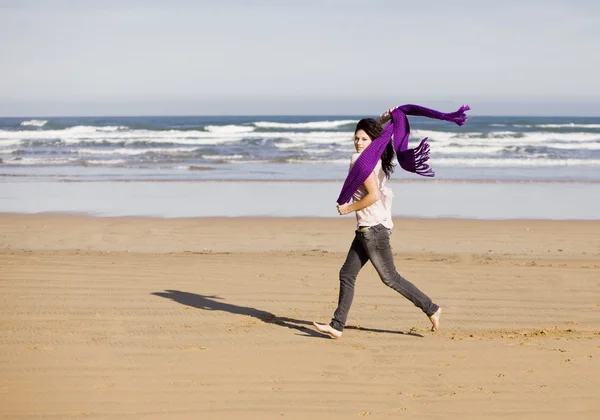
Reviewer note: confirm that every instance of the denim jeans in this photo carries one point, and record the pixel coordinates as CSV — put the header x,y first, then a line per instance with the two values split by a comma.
x,y
374,245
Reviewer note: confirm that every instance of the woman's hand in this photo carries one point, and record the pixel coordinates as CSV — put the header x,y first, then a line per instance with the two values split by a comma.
x,y
371,197
387,115
343,209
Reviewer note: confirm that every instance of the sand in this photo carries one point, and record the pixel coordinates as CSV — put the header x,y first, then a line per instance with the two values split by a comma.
x,y
127,318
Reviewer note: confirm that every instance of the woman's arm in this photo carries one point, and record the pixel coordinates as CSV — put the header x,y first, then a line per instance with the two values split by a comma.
x,y
371,197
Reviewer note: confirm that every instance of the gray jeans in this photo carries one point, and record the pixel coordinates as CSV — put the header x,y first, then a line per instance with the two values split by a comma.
x,y
374,245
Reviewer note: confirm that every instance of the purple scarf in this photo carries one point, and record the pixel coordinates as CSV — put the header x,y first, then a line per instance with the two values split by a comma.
x,y
412,160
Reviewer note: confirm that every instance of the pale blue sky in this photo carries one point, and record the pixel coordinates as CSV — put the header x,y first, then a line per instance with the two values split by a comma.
x,y
139,57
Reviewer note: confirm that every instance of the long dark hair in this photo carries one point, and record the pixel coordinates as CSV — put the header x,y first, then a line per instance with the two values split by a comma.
x,y
373,129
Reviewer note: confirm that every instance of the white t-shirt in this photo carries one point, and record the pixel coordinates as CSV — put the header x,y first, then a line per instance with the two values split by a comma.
x,y
380,212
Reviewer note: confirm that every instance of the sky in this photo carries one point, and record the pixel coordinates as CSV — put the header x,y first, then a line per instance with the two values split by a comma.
x,y
304,57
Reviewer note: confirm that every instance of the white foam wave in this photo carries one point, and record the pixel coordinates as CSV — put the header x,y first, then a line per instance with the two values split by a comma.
x,y
570,146
254,162
222,157
344,147
504,137
9,142
327,161
487,148
112,128
133,152
544,137
105,162
441,136
85,129
487,162
314,137
466,150
288,145
502,134
82,134
191,167
316,151
317,125
40,161
229,129
294,160
569,125
34,123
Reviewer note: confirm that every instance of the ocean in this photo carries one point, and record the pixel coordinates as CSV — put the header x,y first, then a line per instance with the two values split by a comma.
x,y
76,164
288,148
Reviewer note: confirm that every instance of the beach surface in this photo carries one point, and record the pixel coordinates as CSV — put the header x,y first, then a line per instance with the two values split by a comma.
x,y
151,318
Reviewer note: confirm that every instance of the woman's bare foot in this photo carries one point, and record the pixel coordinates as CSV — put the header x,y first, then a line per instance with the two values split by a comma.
x,y
327,329
435,319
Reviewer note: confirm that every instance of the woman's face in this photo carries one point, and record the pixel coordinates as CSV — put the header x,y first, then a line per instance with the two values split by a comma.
x,y
361,140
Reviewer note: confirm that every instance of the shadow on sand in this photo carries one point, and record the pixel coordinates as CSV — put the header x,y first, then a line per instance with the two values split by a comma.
x,y
214,303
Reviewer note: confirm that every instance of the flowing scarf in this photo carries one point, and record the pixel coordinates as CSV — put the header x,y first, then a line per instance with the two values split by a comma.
x,y
411,160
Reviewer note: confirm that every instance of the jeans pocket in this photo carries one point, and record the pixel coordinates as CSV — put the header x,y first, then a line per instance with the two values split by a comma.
x,y
369,235
382,238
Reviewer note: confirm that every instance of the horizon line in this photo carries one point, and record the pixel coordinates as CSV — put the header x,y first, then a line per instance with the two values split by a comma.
x,y
278,115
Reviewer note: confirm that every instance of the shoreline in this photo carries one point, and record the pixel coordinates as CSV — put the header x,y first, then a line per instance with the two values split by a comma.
x,y
430,200
308,181
273,218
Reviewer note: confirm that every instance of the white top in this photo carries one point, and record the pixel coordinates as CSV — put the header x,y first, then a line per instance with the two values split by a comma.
x,y
381,210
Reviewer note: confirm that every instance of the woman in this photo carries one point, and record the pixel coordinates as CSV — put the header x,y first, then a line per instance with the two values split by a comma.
x,y
372,205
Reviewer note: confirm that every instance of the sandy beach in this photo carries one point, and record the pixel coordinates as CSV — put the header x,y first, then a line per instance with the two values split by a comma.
x,y
147,318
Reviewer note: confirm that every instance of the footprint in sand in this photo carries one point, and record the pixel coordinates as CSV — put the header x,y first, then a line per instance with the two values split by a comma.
x,y
104,386
40,348
450,394
188,383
